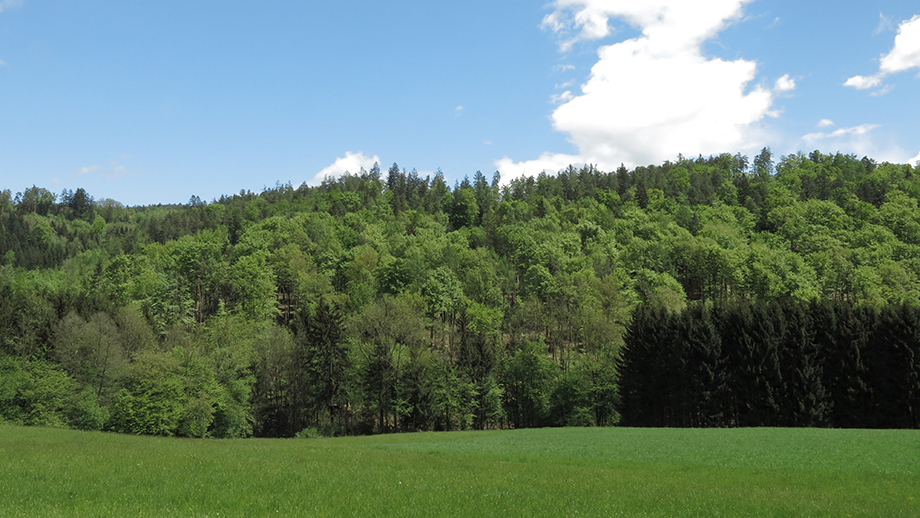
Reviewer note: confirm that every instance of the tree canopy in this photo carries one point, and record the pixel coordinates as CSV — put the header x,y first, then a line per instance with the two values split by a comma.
x,y
370,304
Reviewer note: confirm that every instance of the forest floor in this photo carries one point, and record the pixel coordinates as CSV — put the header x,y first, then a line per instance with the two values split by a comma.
x,y
537,472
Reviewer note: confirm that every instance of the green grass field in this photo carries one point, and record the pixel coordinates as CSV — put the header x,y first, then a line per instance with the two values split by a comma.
x,y
547,472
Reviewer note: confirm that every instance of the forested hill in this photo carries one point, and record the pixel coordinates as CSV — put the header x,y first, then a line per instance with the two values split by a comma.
x,y
377,303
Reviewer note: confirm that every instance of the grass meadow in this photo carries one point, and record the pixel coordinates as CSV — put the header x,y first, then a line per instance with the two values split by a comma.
x,y
538,472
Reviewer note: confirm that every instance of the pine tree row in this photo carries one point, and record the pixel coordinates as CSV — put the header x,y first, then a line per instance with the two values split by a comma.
x,y
777,364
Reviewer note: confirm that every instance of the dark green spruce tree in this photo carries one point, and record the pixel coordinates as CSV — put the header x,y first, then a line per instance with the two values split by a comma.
x,y
325,365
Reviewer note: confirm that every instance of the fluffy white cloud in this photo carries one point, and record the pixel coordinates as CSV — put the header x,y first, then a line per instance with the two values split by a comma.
x,y
905,55
670,23
825,123
906,52
351,163
652,97
551,162
784,84
915,160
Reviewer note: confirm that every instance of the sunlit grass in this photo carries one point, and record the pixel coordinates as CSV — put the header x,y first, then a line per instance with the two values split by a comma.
x,y
548,472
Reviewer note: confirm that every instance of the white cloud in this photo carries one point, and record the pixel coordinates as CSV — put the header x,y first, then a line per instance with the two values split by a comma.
x,y
855,131
589,19
458,110
863,82
915,160
784,84
906,52
859,140
673,22
652,97
550,162
825,123
351,162
905,55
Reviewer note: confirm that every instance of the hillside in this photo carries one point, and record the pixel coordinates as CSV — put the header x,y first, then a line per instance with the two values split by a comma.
x,y
398,303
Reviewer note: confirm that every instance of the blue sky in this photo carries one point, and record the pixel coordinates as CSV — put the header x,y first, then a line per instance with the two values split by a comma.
x,y
153,102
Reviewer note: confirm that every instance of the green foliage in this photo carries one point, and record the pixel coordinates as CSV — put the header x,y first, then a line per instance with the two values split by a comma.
x,y
324,363
528,379
38,393
153,399
465,210
371,304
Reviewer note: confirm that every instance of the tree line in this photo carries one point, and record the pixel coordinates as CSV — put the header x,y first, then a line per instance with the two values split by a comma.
x,y
380,302
825,364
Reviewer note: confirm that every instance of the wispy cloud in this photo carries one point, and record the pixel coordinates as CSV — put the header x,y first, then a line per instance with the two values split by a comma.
x,y
885,24
862,140
884,91
9,4
855,131
564,97
111,170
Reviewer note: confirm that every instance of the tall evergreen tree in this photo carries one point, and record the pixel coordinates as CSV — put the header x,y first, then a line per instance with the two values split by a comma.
x,y
325,364
705,375
845,332
894,365
804,399
648,365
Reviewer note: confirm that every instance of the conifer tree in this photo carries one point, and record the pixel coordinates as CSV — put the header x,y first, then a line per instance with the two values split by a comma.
x,y
324,362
